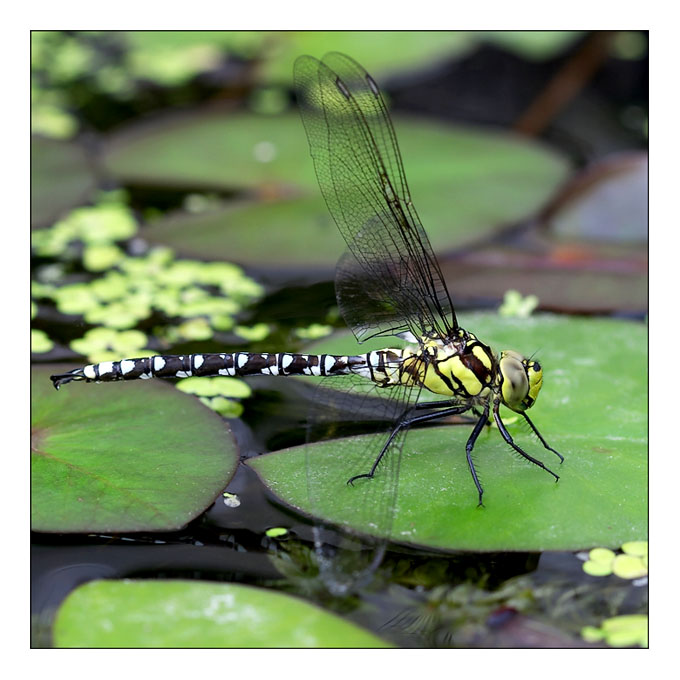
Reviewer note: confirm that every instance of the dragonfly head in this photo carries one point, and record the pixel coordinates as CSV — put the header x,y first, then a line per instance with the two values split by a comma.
x,y
520,380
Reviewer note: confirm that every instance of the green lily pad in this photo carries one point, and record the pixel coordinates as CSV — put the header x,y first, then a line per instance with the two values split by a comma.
x,y
123,457
60,179
464,181
197,614
592,408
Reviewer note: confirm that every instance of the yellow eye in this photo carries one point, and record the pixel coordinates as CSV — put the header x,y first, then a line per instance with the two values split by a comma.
x,y
521,381
535,375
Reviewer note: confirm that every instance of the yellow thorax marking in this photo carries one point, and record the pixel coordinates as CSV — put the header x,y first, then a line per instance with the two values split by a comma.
x,y
443,361
479,352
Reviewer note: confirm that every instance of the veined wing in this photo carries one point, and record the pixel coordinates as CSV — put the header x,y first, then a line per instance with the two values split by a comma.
x,y
389,280
353,523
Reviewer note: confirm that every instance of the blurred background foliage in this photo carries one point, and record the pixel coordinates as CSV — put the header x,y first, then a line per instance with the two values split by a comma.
x,y
525,153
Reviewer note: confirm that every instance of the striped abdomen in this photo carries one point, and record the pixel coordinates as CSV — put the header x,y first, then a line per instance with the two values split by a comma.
x,y
377,366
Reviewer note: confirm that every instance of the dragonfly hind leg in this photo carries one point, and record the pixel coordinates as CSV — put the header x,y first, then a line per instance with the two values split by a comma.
x,y
451,411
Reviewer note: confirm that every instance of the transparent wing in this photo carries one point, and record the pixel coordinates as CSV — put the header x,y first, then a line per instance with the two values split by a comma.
x,y
364,511
389,280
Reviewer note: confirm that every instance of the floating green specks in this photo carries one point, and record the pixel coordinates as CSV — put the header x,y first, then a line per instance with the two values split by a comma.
x,y
150,265
225,407
253,333
52,121
112,286
77,298
119,315
277,532
193,329
639,548
197,301
632,564
629,566
40,342
218,393
514,305
106,344
223,386
40,289
102,224
313,332
221,322
620,631
100,257
173,65
198,297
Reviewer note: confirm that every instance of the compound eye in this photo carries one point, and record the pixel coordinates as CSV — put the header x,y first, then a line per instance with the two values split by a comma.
x,y
515,385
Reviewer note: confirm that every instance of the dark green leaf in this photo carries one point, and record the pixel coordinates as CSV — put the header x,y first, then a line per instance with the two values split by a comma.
x,y
123,457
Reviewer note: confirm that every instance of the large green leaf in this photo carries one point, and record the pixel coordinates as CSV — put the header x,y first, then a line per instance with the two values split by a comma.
x,y
194,614
466,182
123,457
593,409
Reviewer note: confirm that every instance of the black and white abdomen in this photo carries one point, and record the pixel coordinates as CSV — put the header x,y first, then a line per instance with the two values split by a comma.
x,y
228,364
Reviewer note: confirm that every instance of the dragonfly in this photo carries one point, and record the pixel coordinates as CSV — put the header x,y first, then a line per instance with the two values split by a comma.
x,y
388,282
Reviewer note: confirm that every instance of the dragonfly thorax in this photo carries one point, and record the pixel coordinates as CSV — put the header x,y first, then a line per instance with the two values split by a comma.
x,y
459,366
519,380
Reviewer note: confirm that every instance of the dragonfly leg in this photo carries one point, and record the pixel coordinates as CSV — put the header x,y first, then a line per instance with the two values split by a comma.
x,y
437,404
508,439
483,420
449,402
400,426
538,434
478,413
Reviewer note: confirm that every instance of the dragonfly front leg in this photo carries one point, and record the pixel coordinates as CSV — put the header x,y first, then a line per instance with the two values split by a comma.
x,y
509,440
538,434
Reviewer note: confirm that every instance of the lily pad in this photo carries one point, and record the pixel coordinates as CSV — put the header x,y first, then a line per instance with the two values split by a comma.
x,y
123,457
592,408
465,181
60,179
197,614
